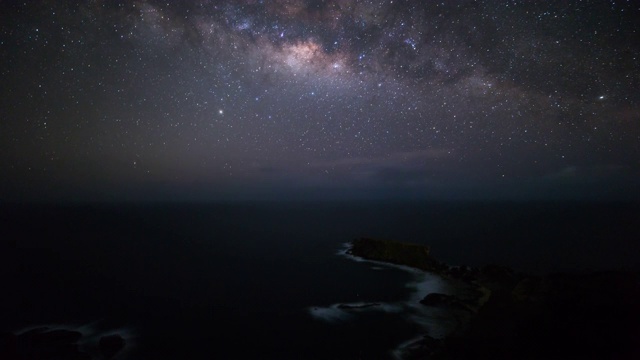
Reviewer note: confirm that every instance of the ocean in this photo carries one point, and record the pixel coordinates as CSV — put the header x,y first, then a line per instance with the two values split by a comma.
x,y
262,280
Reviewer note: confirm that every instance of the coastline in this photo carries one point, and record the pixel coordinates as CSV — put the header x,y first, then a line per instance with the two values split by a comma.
x,y
501,314
438,322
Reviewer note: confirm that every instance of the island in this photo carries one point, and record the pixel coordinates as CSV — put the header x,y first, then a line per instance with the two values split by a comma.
x,y
512,315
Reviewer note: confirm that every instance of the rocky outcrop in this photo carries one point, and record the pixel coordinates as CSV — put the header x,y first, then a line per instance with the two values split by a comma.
x,y
518,316
42,343
444,300
424,348
394,252
110,345
570,316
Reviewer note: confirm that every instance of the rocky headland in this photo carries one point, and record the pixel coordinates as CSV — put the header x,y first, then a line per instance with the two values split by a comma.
x,y
511,315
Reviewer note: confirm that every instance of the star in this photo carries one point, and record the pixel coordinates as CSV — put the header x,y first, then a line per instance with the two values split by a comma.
x,y
406,97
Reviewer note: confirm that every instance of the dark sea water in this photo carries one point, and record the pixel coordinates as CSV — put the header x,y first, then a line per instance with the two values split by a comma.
x,y
199,281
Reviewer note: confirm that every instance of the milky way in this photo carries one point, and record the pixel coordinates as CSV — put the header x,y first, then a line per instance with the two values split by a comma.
x,y
294,99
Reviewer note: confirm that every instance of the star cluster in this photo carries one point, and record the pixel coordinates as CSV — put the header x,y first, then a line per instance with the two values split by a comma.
x,y
298,98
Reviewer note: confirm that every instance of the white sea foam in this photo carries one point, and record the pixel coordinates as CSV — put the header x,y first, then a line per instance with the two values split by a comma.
x,y
330,314
344,252
397,352
436,322
345,311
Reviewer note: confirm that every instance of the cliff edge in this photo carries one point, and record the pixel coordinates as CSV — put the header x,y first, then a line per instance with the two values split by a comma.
x,y
521,316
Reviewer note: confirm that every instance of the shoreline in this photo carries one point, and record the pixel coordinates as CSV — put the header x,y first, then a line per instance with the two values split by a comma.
x,y
437,322
502,314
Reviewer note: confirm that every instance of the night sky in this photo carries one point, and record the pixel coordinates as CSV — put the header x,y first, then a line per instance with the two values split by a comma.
x,y
310,99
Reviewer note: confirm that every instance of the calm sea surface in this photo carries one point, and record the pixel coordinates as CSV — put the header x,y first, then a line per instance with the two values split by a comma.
x,y
238,280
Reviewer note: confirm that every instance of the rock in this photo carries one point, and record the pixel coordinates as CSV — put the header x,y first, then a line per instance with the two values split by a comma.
x,y
436,299
529,289
444,300
110,345
42,343
463,273
497,273
502,314
424,348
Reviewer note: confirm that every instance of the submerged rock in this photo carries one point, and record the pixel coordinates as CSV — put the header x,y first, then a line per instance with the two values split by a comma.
x,y
424,348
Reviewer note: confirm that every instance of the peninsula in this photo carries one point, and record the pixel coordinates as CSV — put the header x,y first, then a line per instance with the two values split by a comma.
x,y
521,316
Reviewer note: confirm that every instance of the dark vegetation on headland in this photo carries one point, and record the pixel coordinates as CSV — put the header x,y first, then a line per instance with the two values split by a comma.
x,y
394,252
521,316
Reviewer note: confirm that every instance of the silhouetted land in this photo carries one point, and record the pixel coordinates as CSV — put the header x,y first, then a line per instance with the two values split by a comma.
x,y
557,316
